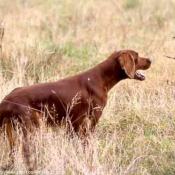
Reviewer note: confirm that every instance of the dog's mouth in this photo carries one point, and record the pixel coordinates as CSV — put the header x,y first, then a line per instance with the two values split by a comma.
x,y
139,76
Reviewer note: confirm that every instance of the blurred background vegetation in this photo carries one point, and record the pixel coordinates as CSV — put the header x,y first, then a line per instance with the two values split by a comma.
x,y
47,40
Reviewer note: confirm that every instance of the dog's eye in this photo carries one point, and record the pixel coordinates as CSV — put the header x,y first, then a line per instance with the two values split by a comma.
x,y
137,55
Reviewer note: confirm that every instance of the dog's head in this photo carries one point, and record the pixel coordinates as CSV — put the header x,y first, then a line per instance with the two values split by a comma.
x,y
131,62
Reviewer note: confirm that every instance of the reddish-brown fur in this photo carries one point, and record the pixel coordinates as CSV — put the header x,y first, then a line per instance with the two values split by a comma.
x,y
79,98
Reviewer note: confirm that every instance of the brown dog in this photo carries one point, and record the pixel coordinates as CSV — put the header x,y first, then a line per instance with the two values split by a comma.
x,y
79,99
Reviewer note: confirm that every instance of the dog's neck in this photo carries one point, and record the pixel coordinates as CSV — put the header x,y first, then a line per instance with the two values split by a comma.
x,y
111,72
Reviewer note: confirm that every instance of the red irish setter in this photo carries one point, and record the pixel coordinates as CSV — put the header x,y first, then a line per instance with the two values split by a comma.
x,y
79,99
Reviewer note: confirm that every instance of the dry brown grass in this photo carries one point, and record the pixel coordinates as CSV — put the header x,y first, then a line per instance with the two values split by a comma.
x,y
48,40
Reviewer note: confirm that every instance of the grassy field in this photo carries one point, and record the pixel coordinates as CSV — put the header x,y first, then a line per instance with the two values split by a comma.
x,y
48,40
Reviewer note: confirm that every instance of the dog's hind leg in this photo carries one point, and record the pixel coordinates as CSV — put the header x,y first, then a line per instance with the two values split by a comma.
x,y
11,140
27,133
26,150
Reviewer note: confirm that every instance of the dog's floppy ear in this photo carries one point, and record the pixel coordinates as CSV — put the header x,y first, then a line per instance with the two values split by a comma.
x,y
127,63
